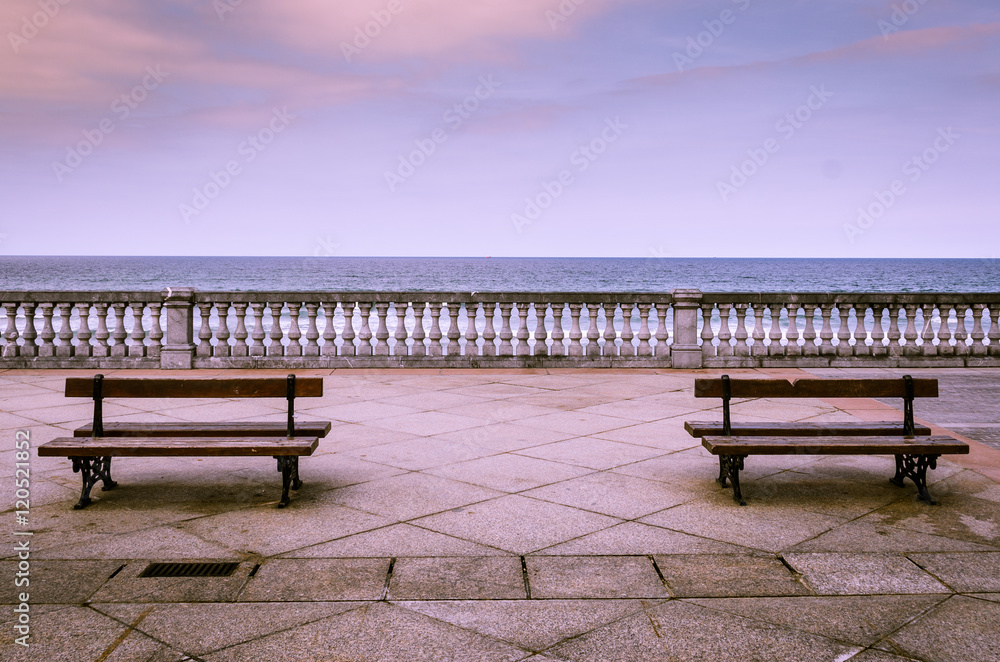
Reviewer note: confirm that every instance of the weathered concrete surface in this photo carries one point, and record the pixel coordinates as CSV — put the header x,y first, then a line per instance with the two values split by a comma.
x,y
507,515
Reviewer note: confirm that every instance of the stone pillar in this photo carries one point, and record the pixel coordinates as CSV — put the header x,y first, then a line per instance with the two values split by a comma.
x,y
686,352
178,347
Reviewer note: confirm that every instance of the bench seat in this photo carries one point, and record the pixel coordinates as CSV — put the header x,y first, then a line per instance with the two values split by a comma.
x,y
177,446
862,429
255,429
842,445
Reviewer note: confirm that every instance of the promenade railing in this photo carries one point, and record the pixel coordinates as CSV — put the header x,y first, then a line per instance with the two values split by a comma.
x,y
182,328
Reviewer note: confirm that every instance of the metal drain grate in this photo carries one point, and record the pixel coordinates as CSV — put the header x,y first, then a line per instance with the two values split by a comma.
x,y
189,570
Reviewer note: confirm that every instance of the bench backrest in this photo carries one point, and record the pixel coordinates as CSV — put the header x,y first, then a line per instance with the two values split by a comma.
x,y
815,388
905,387
99,388
268,387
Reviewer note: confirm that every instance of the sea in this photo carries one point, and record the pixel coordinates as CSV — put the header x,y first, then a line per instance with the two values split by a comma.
x,y
482,274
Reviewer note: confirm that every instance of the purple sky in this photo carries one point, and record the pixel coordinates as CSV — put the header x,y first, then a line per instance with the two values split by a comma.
x,y
857,128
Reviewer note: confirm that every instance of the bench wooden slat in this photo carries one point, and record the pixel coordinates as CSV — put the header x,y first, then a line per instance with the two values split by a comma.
x,y
853,429
272,387
176,446
833,446
815,388
302,429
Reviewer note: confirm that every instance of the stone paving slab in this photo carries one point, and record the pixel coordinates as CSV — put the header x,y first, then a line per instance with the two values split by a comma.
x,y
510,515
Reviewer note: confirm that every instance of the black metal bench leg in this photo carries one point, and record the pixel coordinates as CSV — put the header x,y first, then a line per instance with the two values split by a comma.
x,y
285,466
296,482
730,466
91,470
915,468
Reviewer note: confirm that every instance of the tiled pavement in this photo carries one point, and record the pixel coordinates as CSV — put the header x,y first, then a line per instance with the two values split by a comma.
x,y
508,515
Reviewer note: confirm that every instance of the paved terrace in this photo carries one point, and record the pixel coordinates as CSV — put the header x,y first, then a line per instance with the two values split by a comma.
x,y
510,515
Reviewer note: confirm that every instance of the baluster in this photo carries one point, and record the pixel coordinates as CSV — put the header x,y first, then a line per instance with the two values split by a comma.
x,y
205,330
809,346
541,329
454,347
742,348
400,348
645,349
994,333
775,348
329,347
895,348
792,347
506,348
48,334
294,347
758,349
365,332
276,334
241,348
522,349
861,347
120,334
489,333
910,334
610,334
627,348
593,349
826,347
83,333
347,347
844,330
30,346
10,335
101,335
662,331
222,347
575,347
65,346
434,336
418,349
725,333
943,348
708,349
257,335
471,333
155,330
977,335
382,331
558,346
138,346
877,348
963,343
312,330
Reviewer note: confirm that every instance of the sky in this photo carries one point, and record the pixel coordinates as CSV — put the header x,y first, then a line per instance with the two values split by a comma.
x,y
631,128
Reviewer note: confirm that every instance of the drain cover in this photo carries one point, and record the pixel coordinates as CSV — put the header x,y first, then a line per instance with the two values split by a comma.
x,y
189,570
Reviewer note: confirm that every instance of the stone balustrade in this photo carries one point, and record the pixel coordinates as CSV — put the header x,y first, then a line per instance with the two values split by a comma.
x,y
184,328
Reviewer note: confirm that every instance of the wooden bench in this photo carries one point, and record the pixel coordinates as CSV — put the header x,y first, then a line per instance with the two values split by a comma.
x,y
915,451
92,446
